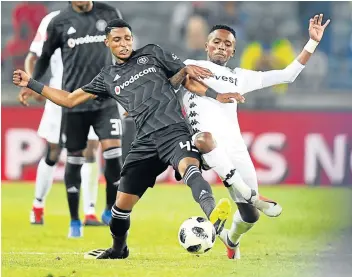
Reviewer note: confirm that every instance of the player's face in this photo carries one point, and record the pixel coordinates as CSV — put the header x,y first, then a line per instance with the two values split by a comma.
x,y
82,6
120,42
220,46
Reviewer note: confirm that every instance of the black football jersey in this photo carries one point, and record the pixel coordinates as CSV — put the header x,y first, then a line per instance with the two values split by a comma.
x,y
81,39
141,85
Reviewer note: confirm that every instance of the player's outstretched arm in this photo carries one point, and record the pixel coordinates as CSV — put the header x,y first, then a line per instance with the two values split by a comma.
x,y
316,32
59,97
258,80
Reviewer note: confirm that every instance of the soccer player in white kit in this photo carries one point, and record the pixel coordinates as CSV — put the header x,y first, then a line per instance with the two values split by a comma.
x,y
216,130
50,130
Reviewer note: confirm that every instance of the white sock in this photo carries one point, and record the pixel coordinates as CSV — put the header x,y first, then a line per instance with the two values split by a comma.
x,y
43,183
218,160
238,228
90,179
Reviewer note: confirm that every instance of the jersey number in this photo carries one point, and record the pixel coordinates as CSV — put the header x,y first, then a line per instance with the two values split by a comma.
x,y
188,146
116,126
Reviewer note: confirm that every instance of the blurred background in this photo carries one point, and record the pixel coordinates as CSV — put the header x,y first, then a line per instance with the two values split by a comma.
x,y
299,137
315,111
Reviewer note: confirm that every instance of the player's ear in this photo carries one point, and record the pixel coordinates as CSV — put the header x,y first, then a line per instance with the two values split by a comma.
x,y
106,42
206,47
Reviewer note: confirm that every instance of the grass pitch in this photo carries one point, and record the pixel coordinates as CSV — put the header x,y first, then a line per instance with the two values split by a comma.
x,y
284,246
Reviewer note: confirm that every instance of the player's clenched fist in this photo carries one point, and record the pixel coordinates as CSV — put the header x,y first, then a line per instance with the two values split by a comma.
x,y
230,97
20,78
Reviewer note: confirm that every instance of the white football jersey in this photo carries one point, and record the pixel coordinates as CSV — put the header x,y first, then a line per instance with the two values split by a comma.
x,y
56,65
209,115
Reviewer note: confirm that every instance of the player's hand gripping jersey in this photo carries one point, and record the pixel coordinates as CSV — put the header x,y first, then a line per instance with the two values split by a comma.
x,y
208,115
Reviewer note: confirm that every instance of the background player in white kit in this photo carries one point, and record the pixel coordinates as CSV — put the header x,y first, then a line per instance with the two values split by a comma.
x,y
50,130
216,128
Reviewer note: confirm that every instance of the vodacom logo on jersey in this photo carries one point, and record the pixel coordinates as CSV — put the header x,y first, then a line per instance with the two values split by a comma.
x,y
72,42
133,78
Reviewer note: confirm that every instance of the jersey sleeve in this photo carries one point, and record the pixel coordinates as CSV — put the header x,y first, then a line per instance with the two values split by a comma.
x,y
51,43
169,61
252,80
41,35
97,86
39,39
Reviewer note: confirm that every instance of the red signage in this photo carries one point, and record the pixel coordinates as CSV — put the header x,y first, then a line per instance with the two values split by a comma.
x,y
286,147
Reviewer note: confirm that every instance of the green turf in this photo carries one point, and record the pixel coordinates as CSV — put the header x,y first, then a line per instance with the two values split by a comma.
x,y
284,246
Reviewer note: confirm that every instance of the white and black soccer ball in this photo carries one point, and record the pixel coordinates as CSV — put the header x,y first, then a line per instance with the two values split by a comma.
x,y
197,235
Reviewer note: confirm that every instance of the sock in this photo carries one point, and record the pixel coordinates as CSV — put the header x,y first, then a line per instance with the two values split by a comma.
x,y
119,226
218,160
73,183
201,189
90,181
238,228
44,181
112,158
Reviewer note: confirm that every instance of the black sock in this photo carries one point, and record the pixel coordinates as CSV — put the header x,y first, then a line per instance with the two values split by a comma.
x,y
201,189
112,158
119,225
73,184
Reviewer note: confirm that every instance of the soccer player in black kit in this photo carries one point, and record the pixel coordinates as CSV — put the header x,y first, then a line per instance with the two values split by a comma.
x,y
79,30
143,82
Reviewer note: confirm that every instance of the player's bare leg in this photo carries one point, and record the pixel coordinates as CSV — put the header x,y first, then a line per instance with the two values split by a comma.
x,y
202,193
112,154
90,182
44,181
217,159
243,220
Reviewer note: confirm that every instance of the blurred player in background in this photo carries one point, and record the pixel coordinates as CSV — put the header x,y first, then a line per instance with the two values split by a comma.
x,y
217,134
78,31
50,129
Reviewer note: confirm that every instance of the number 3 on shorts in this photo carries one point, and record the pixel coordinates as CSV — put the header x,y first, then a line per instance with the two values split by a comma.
x,y
189,146
116,126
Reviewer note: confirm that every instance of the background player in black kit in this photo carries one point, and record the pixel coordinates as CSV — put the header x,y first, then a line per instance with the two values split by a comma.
x,y
79,30
143,82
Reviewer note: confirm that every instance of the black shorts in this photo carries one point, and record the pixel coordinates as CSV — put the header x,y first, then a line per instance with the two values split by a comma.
x,y
151,155
75,127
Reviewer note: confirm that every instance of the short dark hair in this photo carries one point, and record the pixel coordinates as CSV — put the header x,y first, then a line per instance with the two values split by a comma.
x,y
116,23
223,27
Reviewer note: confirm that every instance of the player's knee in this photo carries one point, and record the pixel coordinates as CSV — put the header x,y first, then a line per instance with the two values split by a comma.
x,y
125,201
73,153
205,142
52,154
91,151
185,163
248,213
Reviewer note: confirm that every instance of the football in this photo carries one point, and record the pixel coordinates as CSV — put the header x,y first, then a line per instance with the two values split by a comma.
x,y
197,235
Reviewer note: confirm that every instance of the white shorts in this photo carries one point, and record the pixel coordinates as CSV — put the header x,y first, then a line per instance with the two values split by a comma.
x,y
50,124
242,162
207,117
